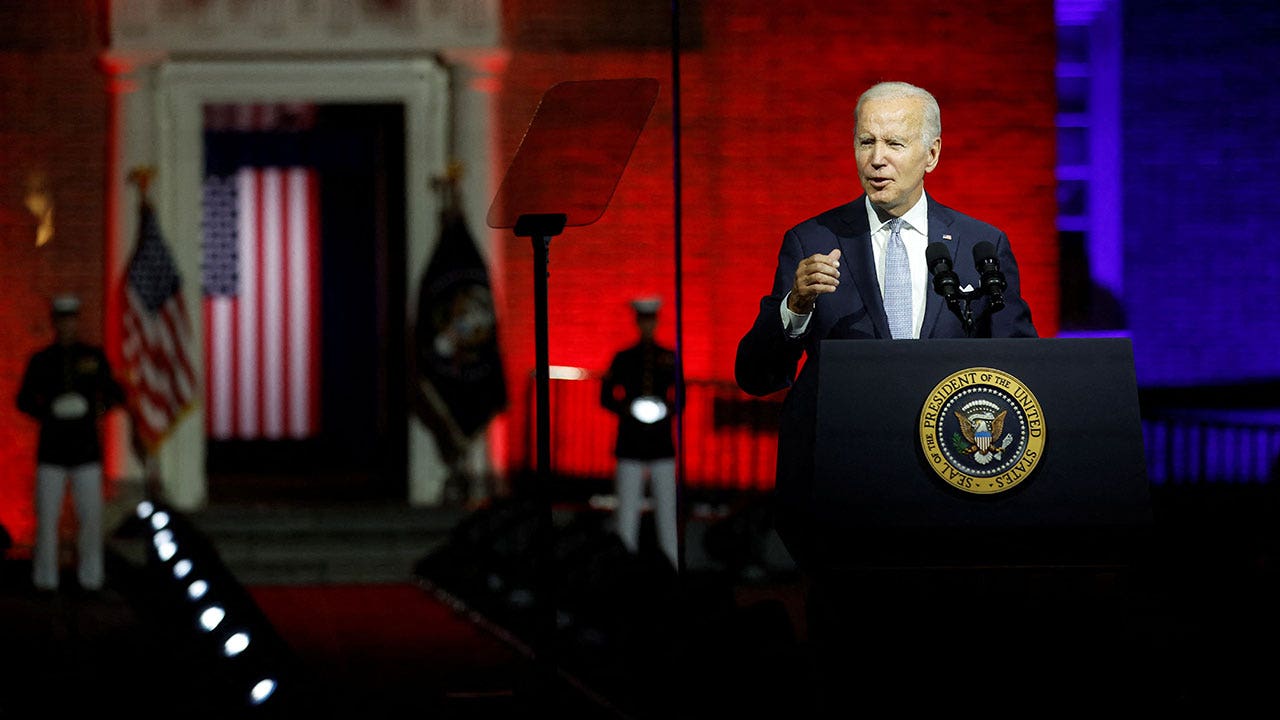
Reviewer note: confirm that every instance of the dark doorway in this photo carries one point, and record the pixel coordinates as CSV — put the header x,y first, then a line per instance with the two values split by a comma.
x,y
354,444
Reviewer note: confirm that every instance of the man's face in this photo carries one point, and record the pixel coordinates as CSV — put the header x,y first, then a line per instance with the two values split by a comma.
x,y
892,157
647,324
66,328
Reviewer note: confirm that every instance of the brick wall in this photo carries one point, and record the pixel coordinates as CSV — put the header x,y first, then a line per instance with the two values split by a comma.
x,y
767,94
766,113
1201,105
52,136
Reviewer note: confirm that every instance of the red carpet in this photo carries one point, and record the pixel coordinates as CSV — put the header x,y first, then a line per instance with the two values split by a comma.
x,y
390,646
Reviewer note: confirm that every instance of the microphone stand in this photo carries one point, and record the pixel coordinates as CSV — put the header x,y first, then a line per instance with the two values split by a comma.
x,y
961,303
991,283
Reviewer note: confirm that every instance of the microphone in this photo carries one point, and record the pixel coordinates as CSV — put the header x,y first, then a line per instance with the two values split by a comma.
x,y
945,281
993,282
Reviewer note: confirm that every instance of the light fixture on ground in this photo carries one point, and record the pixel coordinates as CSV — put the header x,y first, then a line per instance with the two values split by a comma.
x,y
261,691
236,644
166,550
166,547
247,657
159,519
211,616
197,589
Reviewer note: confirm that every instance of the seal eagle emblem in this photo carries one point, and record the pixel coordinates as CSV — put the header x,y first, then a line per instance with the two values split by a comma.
x,y
982,430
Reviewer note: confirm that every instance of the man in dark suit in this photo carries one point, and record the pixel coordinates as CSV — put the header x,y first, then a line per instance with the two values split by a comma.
x,y
830,279
835,279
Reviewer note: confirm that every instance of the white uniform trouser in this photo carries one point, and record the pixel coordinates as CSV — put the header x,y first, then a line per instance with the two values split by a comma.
x,y
86,492
630,488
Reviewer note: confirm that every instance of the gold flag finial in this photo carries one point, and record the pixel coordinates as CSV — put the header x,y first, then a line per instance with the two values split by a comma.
x,y
447,185
39,202
141,176
452,175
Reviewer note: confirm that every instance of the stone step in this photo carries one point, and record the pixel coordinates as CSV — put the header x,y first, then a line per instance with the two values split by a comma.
x,y
303,519
269,544
382,543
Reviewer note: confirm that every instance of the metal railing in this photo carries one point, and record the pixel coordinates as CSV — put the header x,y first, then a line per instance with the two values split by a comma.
x,y
730,439
1188,450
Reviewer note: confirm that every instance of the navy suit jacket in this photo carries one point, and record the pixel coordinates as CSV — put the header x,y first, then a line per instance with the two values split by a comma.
x,y
767,357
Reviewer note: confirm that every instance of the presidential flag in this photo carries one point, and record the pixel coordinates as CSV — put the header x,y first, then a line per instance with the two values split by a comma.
x,y
460,380
156,336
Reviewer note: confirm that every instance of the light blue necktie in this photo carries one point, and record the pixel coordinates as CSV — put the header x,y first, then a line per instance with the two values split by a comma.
x,y
897,283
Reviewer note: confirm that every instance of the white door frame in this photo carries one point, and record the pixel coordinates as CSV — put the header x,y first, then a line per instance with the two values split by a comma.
x,y
175,118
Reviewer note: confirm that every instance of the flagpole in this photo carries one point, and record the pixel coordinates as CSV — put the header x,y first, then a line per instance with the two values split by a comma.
x,y
454,442
141,177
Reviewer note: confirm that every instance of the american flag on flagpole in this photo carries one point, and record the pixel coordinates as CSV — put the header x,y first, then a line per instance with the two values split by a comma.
x,y
261,304
156,336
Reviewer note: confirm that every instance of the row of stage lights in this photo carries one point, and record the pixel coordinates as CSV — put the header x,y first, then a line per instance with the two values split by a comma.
x,y
212,617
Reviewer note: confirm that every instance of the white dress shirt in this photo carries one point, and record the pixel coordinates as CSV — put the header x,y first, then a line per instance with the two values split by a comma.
x,y
915,235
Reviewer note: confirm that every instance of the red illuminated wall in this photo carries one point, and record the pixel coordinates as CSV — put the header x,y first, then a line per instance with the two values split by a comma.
x,y
52,135
767,93
766,100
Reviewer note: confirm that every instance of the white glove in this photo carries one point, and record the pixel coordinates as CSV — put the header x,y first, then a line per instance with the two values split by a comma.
x,y
70,406
648,409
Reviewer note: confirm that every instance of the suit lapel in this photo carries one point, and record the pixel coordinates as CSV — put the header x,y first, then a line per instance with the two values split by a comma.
x,y
856,245
940,231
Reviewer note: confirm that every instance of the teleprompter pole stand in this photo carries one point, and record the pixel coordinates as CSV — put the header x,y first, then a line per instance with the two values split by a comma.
x,y
585,132
540,228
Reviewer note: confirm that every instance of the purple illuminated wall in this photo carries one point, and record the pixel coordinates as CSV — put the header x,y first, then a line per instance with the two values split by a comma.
x,y
1200,109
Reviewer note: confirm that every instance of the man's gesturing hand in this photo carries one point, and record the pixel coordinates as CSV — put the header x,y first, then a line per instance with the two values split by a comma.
x,y
816,274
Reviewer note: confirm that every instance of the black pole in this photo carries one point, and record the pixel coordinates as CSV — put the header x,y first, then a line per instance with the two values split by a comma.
x,y
676,234
545,642
541,228
541,252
